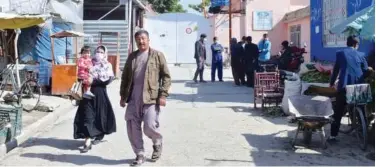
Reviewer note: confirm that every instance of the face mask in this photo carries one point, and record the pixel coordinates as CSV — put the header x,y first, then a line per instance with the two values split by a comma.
x,y
205,39
99,56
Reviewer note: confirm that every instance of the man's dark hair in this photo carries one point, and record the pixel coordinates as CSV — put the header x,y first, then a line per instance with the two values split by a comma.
x,y
249,39
85,48
215,38
244,38
140,32
352,41
265,35
203,36
285,44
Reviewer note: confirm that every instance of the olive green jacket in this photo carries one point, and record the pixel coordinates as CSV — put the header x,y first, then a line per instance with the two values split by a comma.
x,y
157,77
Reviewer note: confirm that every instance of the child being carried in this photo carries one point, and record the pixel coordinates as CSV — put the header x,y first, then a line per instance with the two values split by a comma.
x,y
84,65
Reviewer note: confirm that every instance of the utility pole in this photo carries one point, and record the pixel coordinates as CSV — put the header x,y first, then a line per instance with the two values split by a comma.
x,y
230,22
203,7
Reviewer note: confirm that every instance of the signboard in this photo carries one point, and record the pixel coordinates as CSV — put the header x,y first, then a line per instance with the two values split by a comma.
x,y
188,30
262,20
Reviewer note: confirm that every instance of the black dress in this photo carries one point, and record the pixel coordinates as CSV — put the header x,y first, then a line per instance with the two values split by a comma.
x,y
95,117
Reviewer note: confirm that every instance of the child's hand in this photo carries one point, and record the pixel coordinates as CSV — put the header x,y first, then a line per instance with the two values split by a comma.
x,y
90,80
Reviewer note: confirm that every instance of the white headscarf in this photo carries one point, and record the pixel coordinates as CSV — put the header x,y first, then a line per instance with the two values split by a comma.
x,y
102,69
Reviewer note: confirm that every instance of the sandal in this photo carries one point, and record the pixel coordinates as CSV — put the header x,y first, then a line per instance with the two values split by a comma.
x,y
140,159
156,153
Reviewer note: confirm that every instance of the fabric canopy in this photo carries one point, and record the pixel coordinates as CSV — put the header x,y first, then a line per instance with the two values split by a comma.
x,y
361,24
15,21
63,34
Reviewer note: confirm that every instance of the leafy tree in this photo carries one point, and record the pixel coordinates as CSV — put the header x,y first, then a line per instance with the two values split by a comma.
x,y
200,7
167,6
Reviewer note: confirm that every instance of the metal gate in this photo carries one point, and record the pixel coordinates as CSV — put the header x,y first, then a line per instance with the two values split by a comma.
x,y
176,33
93,27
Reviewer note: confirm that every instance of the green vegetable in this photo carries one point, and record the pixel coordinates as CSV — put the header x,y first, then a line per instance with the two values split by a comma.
x,y
316,77
273,112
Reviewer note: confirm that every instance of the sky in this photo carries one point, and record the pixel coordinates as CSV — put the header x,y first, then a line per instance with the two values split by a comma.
x,y
185,4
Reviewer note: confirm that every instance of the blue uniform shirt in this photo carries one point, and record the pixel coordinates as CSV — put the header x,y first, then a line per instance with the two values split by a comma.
x,y
264,47
216,52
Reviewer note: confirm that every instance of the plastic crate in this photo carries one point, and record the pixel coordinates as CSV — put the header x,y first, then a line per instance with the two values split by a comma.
x,y
15,115
5,130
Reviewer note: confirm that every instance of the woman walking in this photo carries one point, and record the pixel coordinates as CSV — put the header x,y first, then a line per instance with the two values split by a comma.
x,y
95,117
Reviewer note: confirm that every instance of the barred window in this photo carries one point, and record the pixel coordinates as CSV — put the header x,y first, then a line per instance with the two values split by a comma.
x,y
334,11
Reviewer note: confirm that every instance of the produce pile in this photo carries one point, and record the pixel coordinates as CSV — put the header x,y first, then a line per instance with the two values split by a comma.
x,y
315,77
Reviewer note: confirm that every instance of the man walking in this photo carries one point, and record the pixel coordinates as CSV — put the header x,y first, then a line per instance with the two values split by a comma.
x,y
144,86
217,60
264,48
200,56
251,60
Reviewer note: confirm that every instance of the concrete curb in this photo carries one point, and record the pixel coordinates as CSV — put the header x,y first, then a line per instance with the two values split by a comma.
x,y
32,129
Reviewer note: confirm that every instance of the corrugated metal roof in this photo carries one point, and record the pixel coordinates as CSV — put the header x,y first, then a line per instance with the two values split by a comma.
x,y
93,27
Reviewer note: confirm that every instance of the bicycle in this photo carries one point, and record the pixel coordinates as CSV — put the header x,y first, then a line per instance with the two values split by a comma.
x,y
29,90
358,115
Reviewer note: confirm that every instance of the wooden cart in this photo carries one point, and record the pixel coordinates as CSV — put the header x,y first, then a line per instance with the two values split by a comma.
x,y
64,75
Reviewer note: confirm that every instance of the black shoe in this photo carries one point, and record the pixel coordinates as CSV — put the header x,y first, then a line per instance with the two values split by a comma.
x,y
332,140
213,81
98,140
140,159
156,153
202,81
86,148
195,81
221,81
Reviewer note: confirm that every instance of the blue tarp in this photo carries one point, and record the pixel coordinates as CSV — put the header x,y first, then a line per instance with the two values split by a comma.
x,y
215,3
35,43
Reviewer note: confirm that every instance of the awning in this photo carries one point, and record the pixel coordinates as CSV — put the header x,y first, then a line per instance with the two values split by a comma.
x,y
63,34
361,23
15,21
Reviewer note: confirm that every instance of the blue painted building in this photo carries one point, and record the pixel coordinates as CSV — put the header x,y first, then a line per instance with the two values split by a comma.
x,y
324,15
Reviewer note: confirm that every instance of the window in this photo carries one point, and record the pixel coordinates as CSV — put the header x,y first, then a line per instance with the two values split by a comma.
x,y
295,34
334,11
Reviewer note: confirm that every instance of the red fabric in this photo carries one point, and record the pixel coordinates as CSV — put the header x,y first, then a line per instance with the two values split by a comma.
x,y
84,65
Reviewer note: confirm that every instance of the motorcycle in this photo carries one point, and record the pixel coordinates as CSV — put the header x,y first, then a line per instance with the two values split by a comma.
x,y
297,58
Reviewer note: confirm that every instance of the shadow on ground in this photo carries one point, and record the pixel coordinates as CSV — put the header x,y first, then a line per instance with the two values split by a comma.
x,y
76,159
277,120
61,144
276,150
67,144
214,92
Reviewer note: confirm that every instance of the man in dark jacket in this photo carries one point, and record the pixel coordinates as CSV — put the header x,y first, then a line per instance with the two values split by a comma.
x,y
349,67
241,54
286,56
251,58
237,53
200,56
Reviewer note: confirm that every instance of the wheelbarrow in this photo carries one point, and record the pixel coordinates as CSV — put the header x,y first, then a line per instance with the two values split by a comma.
x,y
311,113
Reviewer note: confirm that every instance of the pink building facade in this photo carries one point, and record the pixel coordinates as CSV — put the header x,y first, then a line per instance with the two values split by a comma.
x,y
254,24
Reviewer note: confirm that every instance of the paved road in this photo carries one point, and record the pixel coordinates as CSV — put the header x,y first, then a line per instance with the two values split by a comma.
x,y
203,124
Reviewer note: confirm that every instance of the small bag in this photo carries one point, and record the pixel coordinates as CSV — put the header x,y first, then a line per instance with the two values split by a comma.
x,y
76,90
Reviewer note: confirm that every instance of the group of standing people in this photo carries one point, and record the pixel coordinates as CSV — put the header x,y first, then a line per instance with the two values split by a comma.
x,y
200,57
246,56
145,82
